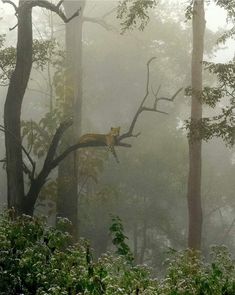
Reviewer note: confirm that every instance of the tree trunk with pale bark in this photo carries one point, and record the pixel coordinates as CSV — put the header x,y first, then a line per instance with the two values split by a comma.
x,y
67,204
195,146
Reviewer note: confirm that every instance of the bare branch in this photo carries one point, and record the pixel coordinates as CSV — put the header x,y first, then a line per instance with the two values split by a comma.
x,y
59,3
143,108
28,172
100,21
50,162
12,4
129,133
153,109
15,26
16,11
166,98
4,130
225,236
109,12
55,8
55,141
156,95
91,143
3,160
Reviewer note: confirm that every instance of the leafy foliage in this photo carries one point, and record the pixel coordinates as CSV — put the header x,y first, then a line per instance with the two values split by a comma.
x,y
223,124
119,239
37,259
229,6
39,135
189,10
42,50
187,273
134,13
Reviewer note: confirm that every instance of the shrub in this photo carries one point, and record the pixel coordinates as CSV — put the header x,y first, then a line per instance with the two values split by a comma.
x,y
37,259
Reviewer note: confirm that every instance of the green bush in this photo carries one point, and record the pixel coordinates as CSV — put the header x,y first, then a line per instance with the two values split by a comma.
x,y
188,274
37,259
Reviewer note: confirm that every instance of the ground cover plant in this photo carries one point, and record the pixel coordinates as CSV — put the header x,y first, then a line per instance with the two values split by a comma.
x,y
37,259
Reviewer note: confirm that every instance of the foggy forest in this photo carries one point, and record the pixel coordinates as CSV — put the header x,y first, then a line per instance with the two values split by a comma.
x,y
117,147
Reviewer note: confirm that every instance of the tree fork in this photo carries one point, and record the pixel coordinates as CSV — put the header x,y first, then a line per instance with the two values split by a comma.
x,y
15,95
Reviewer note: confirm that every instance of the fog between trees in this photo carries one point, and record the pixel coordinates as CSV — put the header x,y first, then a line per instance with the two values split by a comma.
x,y
148,188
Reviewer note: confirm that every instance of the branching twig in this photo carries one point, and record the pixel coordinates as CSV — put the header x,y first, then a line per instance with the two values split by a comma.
x,y
28,171
143,108
59,3
3,160
228,230
3,129
106,14
44,4
12,4
100,21
51,161
12,28
55,142
55,8
129,133
16,11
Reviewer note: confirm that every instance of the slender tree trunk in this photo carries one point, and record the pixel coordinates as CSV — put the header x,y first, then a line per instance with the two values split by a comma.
x,y
144,241
195,146
12,109
67,171
135,242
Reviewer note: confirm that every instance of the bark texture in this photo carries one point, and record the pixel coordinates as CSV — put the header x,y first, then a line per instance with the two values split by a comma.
x,y
195,146
67,204
12,109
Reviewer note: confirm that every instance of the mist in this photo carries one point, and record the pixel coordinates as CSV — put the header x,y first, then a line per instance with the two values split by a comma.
x,y
108,77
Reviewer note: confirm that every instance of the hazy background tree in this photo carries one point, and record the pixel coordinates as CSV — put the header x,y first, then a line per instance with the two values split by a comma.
x,y
148,188
195,146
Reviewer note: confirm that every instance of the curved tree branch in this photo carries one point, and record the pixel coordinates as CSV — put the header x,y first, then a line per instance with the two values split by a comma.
x,y
4,130
100,21
143,108
12,4
55,8
50,162
16,11
55,142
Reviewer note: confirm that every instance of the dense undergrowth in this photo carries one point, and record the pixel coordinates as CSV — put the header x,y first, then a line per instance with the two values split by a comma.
x,y
36,259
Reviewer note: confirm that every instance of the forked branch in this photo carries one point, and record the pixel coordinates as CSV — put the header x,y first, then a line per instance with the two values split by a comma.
x,y
55,8
12,4
142,106
52,161
29,172
44,4
102,21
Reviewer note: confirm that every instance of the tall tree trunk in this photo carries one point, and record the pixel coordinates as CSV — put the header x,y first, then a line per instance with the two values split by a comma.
x,y
195,146
12,109
144,241
135,242
67,171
